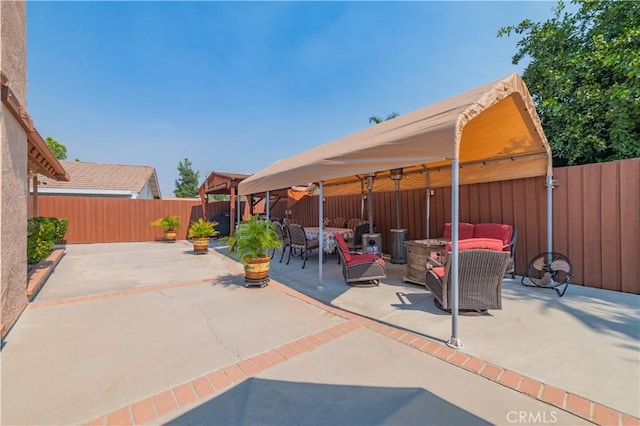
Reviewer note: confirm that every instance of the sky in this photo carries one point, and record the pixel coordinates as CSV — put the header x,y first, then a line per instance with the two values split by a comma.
x,y
235,86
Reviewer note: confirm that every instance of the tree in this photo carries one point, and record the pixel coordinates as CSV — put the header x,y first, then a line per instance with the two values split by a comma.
x,y
377,119
59,150
584,77
187,184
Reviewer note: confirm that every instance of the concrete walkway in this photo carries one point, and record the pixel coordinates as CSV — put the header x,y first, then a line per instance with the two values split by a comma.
x,y
148,333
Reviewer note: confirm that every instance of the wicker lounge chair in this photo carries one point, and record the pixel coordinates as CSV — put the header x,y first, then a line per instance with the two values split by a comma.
x,y
481,265
366,268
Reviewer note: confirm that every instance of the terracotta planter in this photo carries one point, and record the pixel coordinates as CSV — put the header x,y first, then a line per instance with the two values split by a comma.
x,y
170,236
257,268
201,245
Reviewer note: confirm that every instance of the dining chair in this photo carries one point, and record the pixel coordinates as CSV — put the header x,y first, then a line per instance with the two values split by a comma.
x,y
338,222
299,241
283,235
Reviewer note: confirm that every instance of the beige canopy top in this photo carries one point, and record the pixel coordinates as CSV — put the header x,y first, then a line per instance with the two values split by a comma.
x,y
494,130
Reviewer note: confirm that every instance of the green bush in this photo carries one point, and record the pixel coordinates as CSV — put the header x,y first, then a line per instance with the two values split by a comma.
x,y
42,234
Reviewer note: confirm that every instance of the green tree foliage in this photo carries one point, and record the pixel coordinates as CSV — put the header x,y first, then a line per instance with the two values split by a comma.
x,y
59,150
187,184
376,119
584,77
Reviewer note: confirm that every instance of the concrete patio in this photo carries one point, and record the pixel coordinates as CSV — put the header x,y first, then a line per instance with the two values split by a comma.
x,y
148,333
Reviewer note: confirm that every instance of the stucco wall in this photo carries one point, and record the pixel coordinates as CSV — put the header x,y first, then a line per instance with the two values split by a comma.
x,y
13,47
13,179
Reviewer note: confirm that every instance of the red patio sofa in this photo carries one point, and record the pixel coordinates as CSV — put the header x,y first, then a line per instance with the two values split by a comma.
x,y
499,231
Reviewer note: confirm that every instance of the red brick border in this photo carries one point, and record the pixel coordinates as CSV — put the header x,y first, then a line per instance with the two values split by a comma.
x,y
103,296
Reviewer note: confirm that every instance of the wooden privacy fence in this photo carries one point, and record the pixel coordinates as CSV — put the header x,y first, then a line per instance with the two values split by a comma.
x,y
596,218
110,220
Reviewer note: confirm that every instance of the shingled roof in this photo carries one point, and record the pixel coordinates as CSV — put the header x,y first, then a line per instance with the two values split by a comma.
x,y
88,177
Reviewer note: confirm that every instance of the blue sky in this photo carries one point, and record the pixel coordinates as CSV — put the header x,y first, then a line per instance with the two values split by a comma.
x,y
235,86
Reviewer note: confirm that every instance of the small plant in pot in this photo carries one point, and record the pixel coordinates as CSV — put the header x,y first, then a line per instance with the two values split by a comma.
x,y
250,244
169,224
201,231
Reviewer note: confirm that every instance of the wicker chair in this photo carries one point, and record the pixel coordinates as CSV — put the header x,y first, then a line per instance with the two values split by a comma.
x,y
481,266
365,268
298,241
283,235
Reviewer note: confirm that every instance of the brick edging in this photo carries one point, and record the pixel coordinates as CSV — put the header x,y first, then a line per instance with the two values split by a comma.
x,y
38,275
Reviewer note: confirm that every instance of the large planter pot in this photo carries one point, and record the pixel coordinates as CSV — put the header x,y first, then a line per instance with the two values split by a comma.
x,y
170,236
257,269
201,245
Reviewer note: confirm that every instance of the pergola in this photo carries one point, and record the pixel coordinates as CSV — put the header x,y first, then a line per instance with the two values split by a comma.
x,y
491,133
223,183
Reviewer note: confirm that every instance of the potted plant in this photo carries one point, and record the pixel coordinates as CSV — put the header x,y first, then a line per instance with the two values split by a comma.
x,y
169,224
250,244
201,231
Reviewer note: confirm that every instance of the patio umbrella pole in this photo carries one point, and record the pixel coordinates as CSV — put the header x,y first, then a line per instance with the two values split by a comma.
x,y
454,341
320,234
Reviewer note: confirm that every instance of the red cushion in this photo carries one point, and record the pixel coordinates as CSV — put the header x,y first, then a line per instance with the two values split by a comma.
x,y
439,271
342,246
478,243
465,230
494,230
363,258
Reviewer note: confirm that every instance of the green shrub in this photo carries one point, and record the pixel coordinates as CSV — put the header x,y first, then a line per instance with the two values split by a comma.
x,y
61,226
42,234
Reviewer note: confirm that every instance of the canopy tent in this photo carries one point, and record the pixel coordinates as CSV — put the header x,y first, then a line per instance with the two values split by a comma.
x,y
493,130
491,133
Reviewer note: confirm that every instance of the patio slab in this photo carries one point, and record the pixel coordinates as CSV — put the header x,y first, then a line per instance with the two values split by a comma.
x,y
365,378
190,340
587,342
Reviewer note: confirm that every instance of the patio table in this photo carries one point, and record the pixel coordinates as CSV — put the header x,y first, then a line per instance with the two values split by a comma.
x,y
328,236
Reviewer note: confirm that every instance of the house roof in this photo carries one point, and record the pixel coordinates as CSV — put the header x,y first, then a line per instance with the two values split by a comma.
x,y
40,158
106,177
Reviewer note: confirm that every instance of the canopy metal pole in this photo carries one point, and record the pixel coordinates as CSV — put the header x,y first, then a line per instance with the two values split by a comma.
x,y
362,199
428,202
454,341
549,213
370,201
320,234
268,205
